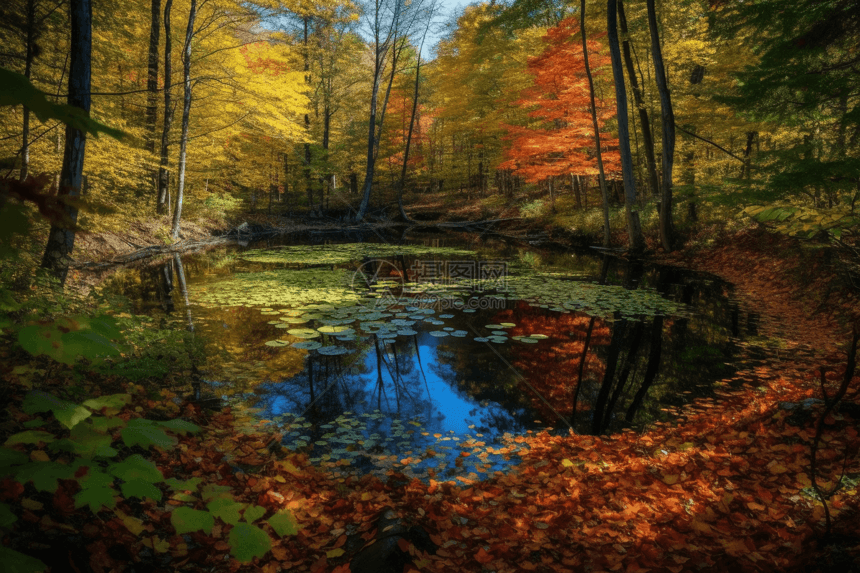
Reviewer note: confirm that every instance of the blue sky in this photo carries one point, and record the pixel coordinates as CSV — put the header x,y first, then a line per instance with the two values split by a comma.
x,y
448,8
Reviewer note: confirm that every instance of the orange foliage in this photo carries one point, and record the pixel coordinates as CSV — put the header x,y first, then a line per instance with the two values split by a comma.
x,y
552,367
562,143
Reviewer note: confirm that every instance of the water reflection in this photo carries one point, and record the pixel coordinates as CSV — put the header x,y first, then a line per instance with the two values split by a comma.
x,y
427,400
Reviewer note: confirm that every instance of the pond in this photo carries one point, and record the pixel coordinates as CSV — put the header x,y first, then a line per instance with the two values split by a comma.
x,y
435,355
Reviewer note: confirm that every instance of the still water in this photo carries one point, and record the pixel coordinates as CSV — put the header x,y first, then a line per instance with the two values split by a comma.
x,y
436,355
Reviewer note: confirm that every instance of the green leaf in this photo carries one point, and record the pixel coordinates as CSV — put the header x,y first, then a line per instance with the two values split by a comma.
x,y
96,498
186,520
15,562
213,491
38,339
140,488
254,512
87,344
284,523
248,541
184,485
178,425
17,90
95,478
136,467
226,508
7,518
145,433
103,424
68,413
106,326
44,475
112,403
10,457
85,441
29,437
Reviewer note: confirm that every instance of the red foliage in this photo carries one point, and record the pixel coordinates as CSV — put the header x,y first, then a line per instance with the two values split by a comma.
x,y
562,142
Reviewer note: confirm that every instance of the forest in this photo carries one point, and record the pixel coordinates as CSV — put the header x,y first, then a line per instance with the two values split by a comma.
x,y
394,286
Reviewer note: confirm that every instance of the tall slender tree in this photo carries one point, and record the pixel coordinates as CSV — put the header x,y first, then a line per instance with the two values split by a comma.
x,y
595,128
667,119
186,114
152,84
634,227
163,173
639,100
61,238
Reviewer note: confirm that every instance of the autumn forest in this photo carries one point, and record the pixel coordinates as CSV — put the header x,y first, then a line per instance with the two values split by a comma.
x,y
395,286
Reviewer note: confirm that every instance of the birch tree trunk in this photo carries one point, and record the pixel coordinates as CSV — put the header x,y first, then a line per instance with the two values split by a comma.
x,y
186,112
61,238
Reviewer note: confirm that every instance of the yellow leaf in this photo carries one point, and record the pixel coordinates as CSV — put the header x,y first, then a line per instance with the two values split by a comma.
x,y
39,456
158,544
777,468
334,553
366,496
31,504
133,524
670,479
567,463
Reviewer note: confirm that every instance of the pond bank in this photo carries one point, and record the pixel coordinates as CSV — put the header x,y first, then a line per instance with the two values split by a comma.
x,y
725,488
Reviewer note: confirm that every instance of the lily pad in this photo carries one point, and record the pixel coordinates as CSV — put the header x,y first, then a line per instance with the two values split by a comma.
x,y
304,333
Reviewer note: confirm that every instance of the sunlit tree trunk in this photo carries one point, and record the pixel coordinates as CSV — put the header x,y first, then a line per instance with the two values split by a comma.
x,y
28,67
381,48
61,238
152,84
634,228
163,173
183,288
307,68
186,113
667,119
402,183
601,174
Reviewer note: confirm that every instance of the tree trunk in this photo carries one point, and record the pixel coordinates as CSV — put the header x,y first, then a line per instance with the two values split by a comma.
x,y
163,173
667,118
647,137
574,182
307,68
152,85
634,229
402,183
28,67
650,370
601,174
61,238
619,329
186,113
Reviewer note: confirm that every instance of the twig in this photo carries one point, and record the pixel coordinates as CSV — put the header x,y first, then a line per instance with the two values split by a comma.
x,y
829,404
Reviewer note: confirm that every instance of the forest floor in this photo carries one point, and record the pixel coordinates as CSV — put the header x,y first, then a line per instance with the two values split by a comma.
x,y
724,487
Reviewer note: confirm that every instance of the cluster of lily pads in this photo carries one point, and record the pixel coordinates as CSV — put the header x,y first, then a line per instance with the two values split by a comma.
x,y
378,442
345,253
321,306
